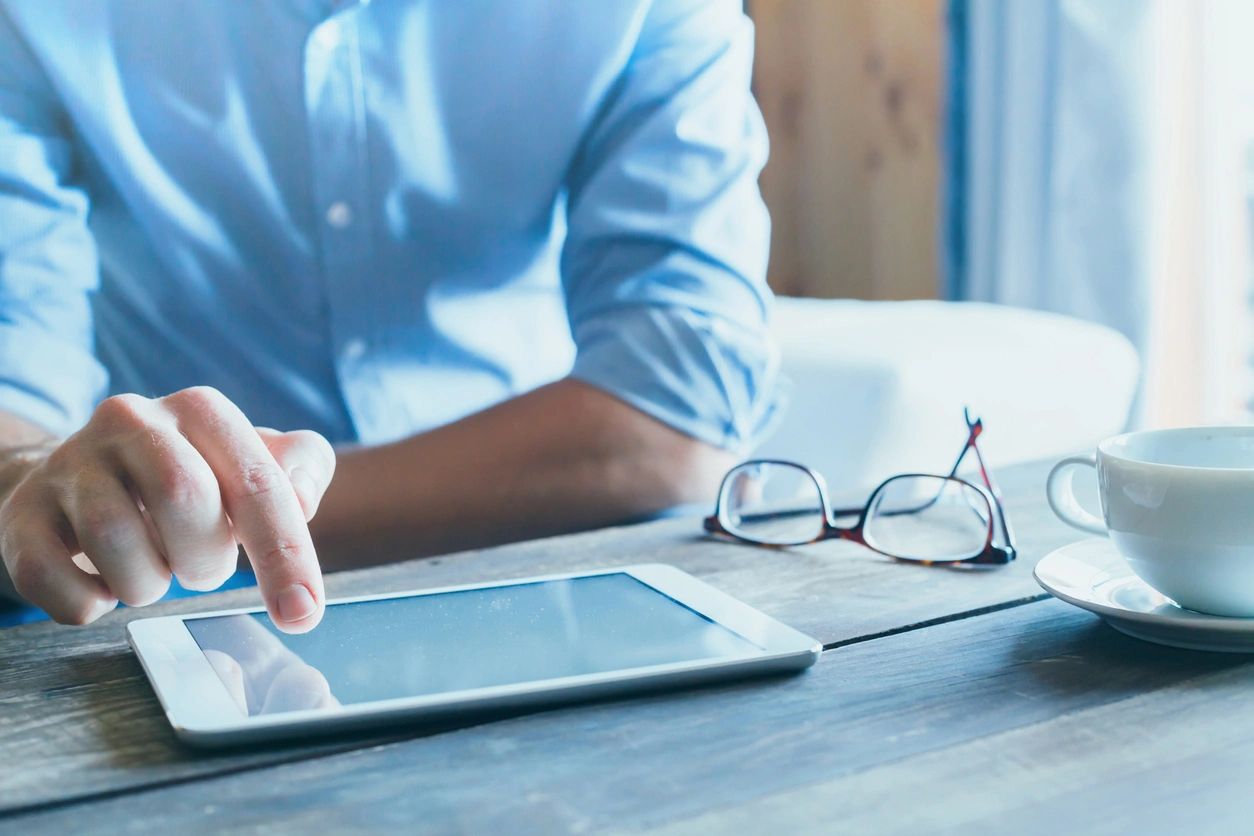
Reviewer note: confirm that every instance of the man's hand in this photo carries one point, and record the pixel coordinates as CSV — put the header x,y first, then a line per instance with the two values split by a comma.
x,y
151,488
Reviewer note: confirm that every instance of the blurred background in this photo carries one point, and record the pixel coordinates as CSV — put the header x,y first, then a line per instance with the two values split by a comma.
x,y
1093,158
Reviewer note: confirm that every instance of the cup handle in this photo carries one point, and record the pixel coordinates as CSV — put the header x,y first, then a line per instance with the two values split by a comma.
x,y
1062,498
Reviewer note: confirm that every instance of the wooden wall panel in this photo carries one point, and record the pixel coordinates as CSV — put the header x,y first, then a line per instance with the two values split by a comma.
x,y
851,91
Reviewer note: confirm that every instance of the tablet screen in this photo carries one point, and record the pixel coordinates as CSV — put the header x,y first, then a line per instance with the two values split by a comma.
x,y
453,641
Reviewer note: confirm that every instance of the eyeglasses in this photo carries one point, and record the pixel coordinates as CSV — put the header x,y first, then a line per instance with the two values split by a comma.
x,y
917,517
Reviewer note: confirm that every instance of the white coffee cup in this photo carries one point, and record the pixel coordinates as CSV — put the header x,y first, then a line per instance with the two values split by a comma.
x,y
1179,506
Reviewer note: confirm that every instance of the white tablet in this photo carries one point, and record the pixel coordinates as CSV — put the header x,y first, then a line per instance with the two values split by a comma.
x,y
231,677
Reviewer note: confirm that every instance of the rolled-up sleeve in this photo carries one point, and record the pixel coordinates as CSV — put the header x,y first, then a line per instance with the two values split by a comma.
x,y
665,258
48,265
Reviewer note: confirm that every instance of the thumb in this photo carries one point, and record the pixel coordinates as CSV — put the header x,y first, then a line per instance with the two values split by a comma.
x,y
308,460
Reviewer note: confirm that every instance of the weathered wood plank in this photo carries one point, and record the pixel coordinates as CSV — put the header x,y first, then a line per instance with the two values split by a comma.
x,y
1175,760
76,711
649,762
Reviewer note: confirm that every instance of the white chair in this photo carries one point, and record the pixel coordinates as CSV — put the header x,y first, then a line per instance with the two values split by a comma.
x,y
878,388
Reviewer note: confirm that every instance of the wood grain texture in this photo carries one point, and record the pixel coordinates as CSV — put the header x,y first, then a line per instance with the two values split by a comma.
x,y
77,712
651,762
1179,759
851,92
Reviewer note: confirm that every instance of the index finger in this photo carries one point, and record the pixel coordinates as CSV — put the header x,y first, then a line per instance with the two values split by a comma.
x,y
262,504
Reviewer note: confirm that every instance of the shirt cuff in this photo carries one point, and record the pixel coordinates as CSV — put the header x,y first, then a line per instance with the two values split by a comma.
x,y
707,377
46,382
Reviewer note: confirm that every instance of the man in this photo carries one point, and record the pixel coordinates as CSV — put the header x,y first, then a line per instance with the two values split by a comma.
x,y
509,256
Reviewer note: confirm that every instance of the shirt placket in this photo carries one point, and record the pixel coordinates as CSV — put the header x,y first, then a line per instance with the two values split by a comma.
x,y
336,117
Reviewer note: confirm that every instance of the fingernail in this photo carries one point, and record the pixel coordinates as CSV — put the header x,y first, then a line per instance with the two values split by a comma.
x,y
296,604
306,491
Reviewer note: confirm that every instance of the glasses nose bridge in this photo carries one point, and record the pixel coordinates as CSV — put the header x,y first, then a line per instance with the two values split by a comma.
x,y
853,533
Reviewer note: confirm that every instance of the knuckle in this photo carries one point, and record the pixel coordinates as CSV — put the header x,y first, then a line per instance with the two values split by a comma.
x,y
121,411
261,479
309,440
181,479
182,488
199,399
283,553
202,582
316,447
96,521
207,571
145,590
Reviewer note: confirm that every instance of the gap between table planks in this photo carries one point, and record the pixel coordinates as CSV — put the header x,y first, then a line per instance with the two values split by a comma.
x,y
77,713
875,736
1175,760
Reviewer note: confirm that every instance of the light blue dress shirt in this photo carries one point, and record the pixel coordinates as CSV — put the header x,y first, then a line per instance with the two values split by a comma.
x,y
371,219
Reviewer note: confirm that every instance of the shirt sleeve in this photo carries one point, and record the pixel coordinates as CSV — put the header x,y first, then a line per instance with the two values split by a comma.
x,y
667,237
48,265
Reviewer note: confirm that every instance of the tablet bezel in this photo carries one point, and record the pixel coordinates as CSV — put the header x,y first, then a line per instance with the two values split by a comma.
x,y
201,711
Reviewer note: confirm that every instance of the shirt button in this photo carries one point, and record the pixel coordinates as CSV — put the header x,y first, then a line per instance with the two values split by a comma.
x,y
354,349
339,215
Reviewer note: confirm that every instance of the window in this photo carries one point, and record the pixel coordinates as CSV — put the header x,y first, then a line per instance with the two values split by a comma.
x,y
1200,362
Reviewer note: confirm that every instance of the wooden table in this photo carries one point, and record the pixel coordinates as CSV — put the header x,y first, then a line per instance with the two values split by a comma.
x,y
945,700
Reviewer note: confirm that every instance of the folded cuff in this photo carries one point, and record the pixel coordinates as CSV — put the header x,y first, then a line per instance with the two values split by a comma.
x,y
47,382
707,377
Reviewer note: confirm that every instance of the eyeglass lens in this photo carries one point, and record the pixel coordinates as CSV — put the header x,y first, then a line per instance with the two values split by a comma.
x,y
928,518
772,503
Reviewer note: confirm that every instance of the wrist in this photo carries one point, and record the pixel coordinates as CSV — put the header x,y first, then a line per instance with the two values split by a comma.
x,y
18,461
15,463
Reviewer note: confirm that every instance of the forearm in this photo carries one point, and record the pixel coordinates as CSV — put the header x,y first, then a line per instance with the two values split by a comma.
x,y
562,458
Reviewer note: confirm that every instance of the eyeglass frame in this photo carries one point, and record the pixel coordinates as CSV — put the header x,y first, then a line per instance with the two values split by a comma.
x,y
991,555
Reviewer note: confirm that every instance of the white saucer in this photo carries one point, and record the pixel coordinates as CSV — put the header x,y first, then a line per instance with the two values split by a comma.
x,y
1092,575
